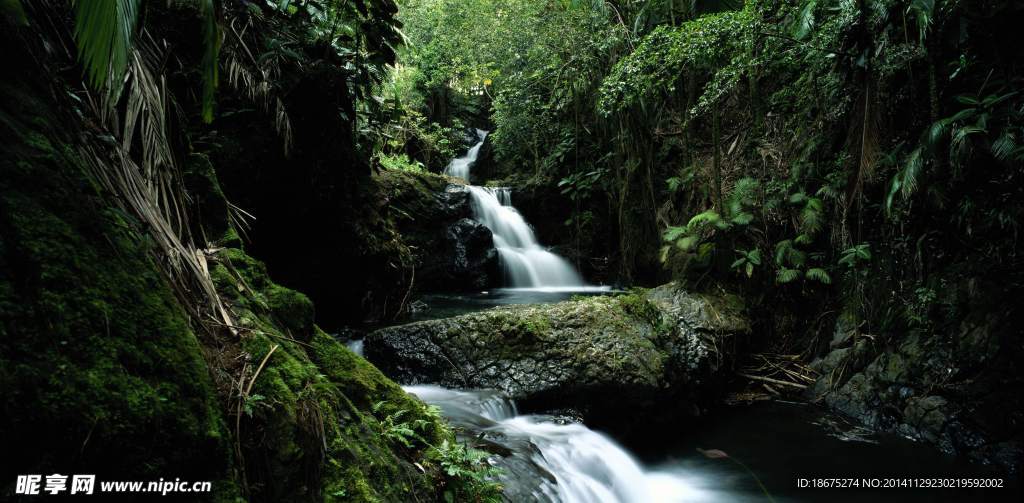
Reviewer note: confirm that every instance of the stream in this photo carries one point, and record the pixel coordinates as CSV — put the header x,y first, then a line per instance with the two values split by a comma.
x,y
759,451
778,441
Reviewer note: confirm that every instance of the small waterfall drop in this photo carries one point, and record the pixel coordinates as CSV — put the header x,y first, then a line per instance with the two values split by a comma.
x,y
586,465
459,167
526,264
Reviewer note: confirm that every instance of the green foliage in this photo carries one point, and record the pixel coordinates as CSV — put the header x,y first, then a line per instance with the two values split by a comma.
x,y
472,475
105,32
769,141
404,432
400,162
579,186
706,44
748,261
855,255
917,312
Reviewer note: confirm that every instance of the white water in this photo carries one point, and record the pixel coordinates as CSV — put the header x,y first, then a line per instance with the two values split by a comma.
x,y
356,346
587,466
525,263
459,167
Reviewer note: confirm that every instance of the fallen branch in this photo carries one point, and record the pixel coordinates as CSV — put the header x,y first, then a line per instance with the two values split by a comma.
x,y
773,381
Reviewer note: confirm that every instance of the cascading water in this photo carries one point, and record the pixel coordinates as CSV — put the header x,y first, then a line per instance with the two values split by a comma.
x,y
587,466
459,167
525,263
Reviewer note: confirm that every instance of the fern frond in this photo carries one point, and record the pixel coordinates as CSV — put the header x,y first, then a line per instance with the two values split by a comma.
x,y
910,173
743,218
786,275
819,275
812,216
781,248
709,216
673,233
687,243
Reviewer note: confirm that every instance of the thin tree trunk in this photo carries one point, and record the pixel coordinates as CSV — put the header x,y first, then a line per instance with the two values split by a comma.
x,y
717,162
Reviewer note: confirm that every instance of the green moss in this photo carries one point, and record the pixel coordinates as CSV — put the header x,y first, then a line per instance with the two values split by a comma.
x,y
98,363
636,304
317,424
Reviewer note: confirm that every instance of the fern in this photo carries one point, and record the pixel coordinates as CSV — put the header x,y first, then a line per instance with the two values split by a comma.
x,y
1004,146
819,275
673,233
786,275
812,217
743,218
853,255
709,216
688,242
786,253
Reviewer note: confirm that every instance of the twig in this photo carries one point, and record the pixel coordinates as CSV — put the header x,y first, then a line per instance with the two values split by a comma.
x,y
773,381
260,368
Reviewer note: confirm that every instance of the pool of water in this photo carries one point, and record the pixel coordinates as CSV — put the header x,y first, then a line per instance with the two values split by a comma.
x,y
782,442
759,453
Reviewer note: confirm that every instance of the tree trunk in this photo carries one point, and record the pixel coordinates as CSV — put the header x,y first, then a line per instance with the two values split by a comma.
x,y
717,162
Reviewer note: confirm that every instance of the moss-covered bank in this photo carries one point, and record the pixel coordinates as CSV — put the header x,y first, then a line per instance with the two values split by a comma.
x,y
99,367
105,370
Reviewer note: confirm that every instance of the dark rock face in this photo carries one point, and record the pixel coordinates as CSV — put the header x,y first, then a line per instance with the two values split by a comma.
x,y
473,261
455,201
955,387
452,252
645,350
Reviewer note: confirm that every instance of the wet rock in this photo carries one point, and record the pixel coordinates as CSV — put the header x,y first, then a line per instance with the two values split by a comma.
x,y
643,349
452,252
949,387
473,261
454,201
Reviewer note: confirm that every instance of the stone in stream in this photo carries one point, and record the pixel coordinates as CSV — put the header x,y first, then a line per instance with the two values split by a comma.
x,y
610,357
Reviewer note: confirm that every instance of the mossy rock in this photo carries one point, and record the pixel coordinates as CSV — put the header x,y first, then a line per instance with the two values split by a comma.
x,y
311,427
572,354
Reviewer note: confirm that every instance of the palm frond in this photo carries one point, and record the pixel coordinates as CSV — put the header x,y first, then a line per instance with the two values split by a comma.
x,y
1004,146
259,89
14,12
104,33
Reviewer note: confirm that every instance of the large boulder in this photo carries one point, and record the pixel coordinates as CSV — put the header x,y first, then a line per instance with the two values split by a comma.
x,y
645,349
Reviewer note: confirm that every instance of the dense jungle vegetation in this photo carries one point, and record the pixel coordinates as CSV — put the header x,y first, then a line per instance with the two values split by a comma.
x,y
858,156
182,181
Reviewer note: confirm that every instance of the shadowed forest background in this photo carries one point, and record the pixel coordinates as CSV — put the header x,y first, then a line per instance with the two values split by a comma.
x,y
800,200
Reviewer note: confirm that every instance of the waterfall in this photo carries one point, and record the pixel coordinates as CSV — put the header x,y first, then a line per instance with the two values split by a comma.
x,y
586,465
459,167
525,263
